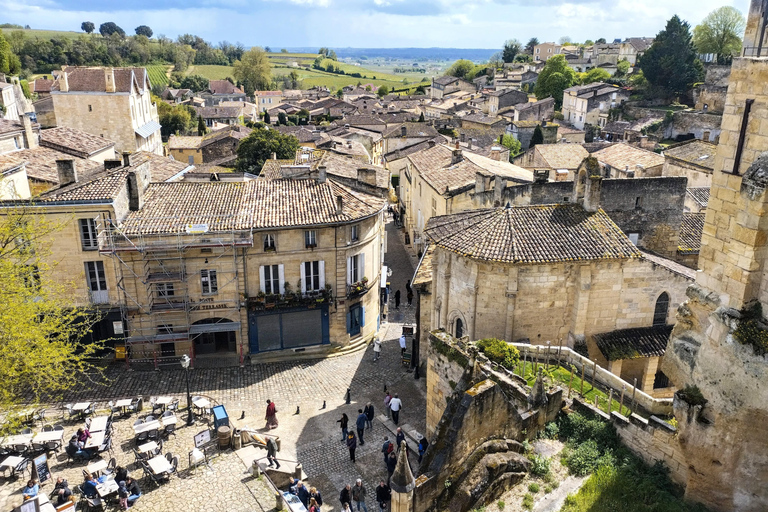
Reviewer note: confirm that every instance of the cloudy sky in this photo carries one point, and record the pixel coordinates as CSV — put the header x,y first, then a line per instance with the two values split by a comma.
x,y
369,23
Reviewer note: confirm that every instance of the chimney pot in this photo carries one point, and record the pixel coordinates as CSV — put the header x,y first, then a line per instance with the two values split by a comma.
x,y
109,79
339,205
403,131
457,156
112,164
274,156
30,137
322,174
67,171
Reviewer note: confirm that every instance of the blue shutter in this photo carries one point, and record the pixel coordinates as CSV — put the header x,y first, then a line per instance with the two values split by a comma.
x,y
362,318
349,322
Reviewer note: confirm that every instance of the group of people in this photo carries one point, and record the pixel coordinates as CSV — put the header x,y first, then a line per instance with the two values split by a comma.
x,y
408,295
76,447
356,494
310,498
128,490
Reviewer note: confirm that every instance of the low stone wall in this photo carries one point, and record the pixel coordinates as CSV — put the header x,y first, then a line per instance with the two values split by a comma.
x,y
650,439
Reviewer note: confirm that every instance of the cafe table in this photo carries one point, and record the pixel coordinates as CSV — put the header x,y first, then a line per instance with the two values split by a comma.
x,y
96,439
159,465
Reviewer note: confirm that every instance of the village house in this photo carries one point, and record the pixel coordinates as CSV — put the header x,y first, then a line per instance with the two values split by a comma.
x,y
447,106
41,87
496,272
503,98
406,134
220,147
15,135
219,117
186,148
113,103
589,104
513,79
694,159
542,52
625,161
633,48
267,99
176,96
445,85
561,159
222,90
12,101
523,131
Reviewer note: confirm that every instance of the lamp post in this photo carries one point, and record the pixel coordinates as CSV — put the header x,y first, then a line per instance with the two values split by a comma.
x,y
185,364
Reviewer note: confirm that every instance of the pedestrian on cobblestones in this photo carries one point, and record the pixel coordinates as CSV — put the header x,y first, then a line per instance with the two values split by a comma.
x,y
271,414
409,296
352,445
399,438
396,405
402,345
313,506
383,496
391,464
397,299
386,448
303,493
387,400
272,452
345,497
361,419
376,349
358,495
368,415
344,425
423,444
315,494
122,494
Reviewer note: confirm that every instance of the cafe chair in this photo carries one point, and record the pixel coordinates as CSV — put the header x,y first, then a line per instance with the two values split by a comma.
x,y
153,435
93,503
39,416
142,437
71,413
168,430
87,422
173,406
112,409
149,418
37,448
138,421
21,449
47,428
21,467
167,414
111,465
137,405
174,464
58,426
53,446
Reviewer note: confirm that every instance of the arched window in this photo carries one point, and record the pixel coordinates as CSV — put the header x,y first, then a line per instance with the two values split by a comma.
x,y
660,313
459,328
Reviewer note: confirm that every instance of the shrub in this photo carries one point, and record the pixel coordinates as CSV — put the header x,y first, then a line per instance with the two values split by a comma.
x,y
500,504
583,459
500,352
551,430
533,488
578,429
528,501
692,395
539,465
547,489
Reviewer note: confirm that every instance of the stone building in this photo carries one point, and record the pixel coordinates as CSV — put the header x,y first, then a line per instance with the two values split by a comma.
x,y
625,161
498,272
716,352
504,98
222,90
109,102
445,85
710,96
16,135
694,159
589,104
561,159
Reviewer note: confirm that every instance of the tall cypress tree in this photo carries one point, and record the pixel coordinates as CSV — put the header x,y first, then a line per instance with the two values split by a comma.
x,y
670,64
201,129
538,137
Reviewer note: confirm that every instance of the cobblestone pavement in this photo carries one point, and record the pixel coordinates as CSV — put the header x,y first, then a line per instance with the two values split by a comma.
x,y
309,435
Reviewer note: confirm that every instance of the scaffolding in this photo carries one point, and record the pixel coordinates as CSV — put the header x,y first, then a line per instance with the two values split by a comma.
x,y
155,276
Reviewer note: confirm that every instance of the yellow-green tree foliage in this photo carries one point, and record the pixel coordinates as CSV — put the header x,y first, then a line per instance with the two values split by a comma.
x,y
42,349
253,70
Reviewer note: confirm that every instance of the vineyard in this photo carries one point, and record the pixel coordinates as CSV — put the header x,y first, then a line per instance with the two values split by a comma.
x,y
158,74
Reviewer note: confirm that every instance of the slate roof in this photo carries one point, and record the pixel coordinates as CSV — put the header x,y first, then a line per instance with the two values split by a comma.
x,y
619,156
73,141
700,195
41,163
691,228
562,156
634,343
259,204
532,234
696,152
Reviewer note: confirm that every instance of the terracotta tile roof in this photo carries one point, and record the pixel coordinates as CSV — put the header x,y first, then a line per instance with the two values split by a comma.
x,y
672,266
342,166
41,163
223,87
423,274
700,195
101,188
500,168
691,229
531,234
184,142
421,146
411,130
634,343
445,80
696,152
260,204
562,156
271,169
482,119
41,85
235,132
162,168
362,119
435,167
8,126
92,79
76,142
219,112
620,156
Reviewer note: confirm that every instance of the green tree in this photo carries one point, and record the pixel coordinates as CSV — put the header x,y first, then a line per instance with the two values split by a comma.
x,y
512,144
720,33
670,64
283,50
530,45
523,57
382,91
267,118
143,30
294,76
421,117
564,40
43,350
257,147
253,70
596,75
554,79
538,136
173,119
622,67
340,93
201,128
109,28
196,83
88,27
461,68
511,48
9,62
282,119
600,41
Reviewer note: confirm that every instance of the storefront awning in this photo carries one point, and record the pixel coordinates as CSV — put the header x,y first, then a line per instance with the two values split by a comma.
x,y
219,327
148,129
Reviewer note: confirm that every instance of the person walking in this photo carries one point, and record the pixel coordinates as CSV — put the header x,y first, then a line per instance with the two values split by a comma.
x,y
368,411
397,299
399,437
391,464
376,349
423,444
272,452
271,414
303,493
344,424
345,497
315,495
383,496
408,285
396,405
360,424
386,448
313,506
358,495
387,399
409,296
351,445
402,345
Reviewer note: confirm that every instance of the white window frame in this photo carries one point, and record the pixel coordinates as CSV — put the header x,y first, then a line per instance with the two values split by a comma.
x,y
268,274
96,280
316,274
165,290
209,282
89,237
354,232
355,268
270,243
310,238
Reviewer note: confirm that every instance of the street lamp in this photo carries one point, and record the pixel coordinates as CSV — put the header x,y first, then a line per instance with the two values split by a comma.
x,y
185,364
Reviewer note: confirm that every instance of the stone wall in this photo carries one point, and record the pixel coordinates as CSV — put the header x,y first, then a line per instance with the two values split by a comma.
x,y
697,123
106,115
445,368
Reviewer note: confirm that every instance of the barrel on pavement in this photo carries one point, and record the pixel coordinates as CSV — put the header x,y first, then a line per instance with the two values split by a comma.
x,y
225,436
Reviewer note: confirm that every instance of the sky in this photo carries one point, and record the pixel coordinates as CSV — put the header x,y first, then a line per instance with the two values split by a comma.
x,y
370,23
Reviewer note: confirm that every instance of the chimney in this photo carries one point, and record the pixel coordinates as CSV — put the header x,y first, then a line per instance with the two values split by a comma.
x,y
457,157
479,183
339,205
432,143
127,158
498,188
109,79
30,138
274,156
63,82
349,144
112,164
496,153
403,131
135,196
67,172
322,174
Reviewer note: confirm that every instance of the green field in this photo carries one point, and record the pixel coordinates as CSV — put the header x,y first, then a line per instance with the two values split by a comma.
x,y
48,34
211,72
158,74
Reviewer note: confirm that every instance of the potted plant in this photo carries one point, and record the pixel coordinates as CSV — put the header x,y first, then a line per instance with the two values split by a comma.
x,y
260,297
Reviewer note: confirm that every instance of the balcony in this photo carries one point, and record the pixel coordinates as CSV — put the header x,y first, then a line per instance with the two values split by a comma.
x,y
308,300
99,297
358,288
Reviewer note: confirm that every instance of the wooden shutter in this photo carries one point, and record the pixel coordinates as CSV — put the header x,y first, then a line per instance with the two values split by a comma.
x,y
349,270
303,277
261,280
321,265
281,275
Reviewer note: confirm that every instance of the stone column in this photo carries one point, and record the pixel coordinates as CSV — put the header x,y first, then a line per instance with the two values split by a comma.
x,y
649,374
615,367
402,483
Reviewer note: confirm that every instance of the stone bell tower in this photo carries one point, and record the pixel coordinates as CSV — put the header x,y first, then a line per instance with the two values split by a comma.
x,y
717,348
